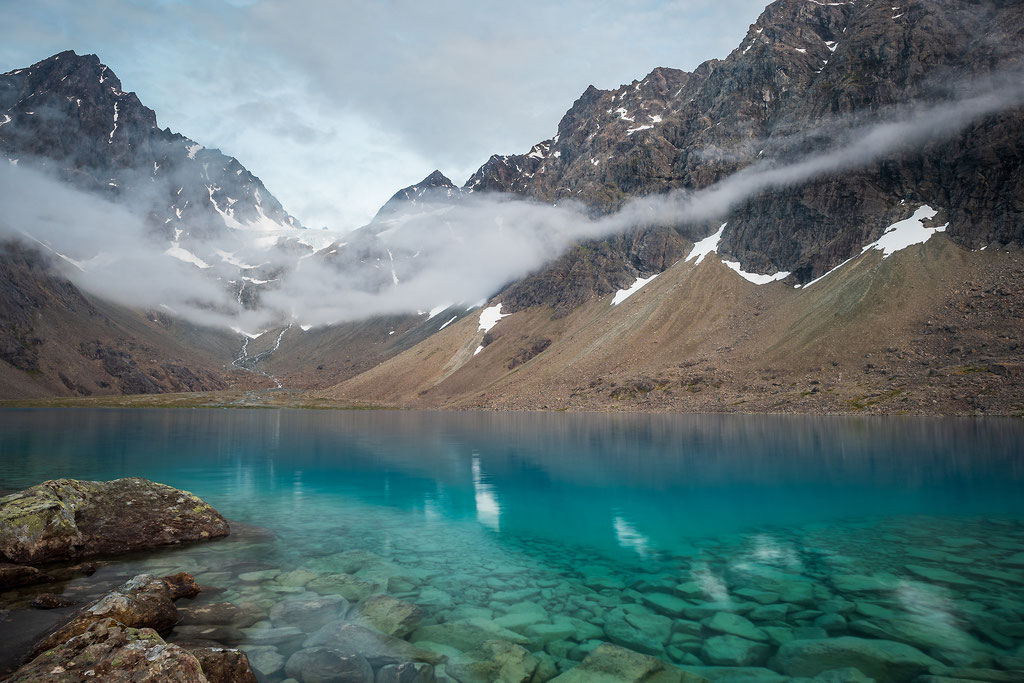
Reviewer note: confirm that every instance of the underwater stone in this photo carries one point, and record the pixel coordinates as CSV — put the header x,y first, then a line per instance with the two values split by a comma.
x,y
860,583
725,622
432,597
518,621
541,634
308,613
409,672
264,658
612,664
326,665
881,659
832,623
378,648
345,585
730,650
758,596
844,675
468,634
666,604
225,613
776,612
737,674
387,615
938,575
493,660
296,577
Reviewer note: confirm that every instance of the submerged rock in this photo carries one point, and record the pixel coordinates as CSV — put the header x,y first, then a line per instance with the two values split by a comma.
x,y
65,519
729,650
409,672
14,575
264,658
884,660
734,624
467,634
328,665
494,660
345,585
387,614
613,664
51,601
113,652
378,648
221,613
309,613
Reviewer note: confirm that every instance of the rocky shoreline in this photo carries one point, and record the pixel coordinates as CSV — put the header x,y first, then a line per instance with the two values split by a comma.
x,y
358,616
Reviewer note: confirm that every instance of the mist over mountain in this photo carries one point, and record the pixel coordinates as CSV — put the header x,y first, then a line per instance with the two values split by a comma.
x,y
828,125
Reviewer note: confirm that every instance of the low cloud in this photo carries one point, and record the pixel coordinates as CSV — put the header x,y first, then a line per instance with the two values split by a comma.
x,y
445,253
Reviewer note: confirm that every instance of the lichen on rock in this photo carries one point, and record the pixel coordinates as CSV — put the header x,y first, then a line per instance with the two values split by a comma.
x,y
66,519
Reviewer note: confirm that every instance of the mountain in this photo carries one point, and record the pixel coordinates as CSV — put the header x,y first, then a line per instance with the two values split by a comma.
x,y
800,64
432,188
69,111
68,115
920,329
58,340
892,284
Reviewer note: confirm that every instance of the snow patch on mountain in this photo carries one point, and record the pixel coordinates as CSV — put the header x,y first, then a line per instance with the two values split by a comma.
x,y
706,246
624,294
906,233
490,316
898,236
756,278
185,255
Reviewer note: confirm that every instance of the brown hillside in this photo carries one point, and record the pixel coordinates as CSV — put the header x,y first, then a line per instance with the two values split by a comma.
x,y
923,331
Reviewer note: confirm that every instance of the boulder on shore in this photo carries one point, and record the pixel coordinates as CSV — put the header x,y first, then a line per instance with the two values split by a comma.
x,y
65,519
141,602
109,651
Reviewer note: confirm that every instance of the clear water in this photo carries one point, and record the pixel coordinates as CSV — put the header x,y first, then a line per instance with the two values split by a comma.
x,y
585,521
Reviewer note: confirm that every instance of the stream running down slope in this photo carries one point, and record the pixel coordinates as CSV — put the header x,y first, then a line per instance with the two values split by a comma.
x,y
243,361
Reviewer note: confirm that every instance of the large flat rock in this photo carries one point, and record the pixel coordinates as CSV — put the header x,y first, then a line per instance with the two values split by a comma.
x,y
65,519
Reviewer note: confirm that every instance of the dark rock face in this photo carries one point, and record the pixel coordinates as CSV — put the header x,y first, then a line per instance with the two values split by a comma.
x,y
69,112
800,65
113,652
65,519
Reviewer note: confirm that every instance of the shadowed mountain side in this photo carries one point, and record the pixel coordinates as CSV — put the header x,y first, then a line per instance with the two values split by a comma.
x,y
922,331
59,341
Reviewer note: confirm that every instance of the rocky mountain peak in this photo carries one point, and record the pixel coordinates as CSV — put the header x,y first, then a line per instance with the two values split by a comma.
x,y
69,113
435,186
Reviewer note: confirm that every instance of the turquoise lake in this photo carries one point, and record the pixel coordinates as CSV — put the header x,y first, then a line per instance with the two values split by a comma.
x,y
562,531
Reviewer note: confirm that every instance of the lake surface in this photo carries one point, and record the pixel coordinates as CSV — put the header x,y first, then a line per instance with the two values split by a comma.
x,y
565,531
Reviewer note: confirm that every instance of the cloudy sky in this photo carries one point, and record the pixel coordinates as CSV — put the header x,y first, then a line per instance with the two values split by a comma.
x,y
336,105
